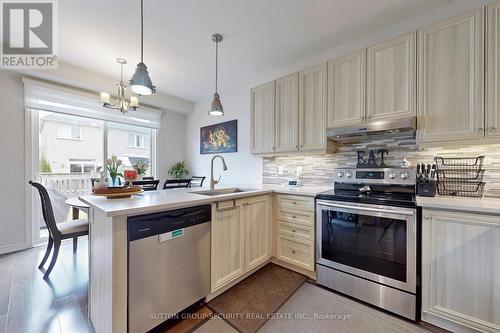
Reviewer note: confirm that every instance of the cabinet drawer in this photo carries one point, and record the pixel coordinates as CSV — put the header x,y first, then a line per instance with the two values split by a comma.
x,y
295,231
296,253
295,202
298,217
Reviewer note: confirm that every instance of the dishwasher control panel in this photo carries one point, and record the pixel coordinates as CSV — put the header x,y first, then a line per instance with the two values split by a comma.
x,y
142,226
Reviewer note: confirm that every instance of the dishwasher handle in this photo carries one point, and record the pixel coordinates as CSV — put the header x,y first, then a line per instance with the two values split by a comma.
x,y
148,225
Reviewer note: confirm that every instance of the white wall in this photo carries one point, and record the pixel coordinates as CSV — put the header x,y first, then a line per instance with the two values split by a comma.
x,y
12,214
13,235
244,167
172,146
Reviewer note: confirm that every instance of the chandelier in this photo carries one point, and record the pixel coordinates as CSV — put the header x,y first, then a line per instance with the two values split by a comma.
x,y
121,103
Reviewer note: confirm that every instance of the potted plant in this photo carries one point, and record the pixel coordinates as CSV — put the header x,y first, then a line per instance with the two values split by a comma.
x,y
178,170
112,164
141,167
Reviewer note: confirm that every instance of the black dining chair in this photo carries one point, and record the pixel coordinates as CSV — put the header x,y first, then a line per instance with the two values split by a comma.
x,y
197,181
57,231
147,185
176,183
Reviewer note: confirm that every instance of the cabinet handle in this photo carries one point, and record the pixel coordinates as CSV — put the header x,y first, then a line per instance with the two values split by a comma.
x,y
274,148
426,217
480,130
293,230
294,202
491,129
293,251
293,216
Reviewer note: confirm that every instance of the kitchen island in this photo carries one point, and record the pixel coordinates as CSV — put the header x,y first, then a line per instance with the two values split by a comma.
x,y
108,240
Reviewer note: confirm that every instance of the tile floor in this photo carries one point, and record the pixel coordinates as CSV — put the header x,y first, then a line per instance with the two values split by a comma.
x,y
59,305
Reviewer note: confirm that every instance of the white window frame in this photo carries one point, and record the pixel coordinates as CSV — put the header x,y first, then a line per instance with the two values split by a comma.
x,y
65,132
82,164
136,136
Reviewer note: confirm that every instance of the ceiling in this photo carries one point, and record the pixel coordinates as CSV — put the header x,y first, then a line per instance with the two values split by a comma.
x,y
259,36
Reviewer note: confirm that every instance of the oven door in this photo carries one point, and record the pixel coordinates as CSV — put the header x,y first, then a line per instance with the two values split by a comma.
x,y
374,242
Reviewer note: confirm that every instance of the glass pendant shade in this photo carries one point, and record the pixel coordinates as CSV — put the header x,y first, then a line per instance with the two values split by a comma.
x,y
140,83
216,108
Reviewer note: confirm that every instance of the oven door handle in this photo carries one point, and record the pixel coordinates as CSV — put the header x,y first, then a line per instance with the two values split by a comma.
x,y
369,209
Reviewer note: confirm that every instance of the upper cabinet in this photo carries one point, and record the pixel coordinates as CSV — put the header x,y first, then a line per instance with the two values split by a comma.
x,y
451,72
312,108
391,72
262,118
287,113
346,90
493,72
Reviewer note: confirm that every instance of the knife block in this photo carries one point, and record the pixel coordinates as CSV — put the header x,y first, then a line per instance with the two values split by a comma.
x,y
426,188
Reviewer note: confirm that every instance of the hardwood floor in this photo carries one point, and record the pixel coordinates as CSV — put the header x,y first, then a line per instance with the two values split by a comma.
x,y
30,304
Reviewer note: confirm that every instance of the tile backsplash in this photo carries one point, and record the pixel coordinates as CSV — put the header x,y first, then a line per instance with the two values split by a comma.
x,y
318,169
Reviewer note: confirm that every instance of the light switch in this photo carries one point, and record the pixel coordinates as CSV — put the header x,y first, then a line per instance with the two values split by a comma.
x,y
281,170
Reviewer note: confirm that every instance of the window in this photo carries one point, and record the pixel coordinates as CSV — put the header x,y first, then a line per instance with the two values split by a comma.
x,y
69,132
82,166
137,141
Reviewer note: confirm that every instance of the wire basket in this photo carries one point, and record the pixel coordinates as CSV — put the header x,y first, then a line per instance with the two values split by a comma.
x,y
464,189
460,176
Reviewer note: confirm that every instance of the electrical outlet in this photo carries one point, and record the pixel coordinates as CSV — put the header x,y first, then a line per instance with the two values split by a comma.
x,y
299,171
281,170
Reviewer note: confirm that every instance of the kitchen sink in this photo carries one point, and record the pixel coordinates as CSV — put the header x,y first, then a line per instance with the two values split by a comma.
x,y
223,191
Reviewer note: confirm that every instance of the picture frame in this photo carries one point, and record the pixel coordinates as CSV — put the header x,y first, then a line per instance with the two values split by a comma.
x,y
219,138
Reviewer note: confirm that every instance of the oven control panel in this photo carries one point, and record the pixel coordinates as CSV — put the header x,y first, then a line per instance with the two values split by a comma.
x,y
375,176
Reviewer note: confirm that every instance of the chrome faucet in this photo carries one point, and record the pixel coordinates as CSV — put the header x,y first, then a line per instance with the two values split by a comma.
x,y
212,180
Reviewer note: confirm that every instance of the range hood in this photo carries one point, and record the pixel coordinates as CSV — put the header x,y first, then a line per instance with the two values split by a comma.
x,y
374,130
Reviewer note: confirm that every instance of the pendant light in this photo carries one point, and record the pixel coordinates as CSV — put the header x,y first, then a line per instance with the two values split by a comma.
x,y
140,83
216,108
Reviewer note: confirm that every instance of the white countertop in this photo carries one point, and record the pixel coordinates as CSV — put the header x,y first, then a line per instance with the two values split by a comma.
x,y
473,205
178,198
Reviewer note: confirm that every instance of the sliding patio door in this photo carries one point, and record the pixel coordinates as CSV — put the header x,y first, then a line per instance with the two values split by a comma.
x,y
70,154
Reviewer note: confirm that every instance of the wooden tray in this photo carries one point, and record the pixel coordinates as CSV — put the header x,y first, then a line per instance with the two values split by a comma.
x,y
118,195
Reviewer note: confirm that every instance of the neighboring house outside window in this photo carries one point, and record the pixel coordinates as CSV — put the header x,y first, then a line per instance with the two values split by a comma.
x,y
69,132
137,141
82,166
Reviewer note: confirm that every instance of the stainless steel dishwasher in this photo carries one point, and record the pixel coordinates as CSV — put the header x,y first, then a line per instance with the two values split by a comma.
x,y
168,264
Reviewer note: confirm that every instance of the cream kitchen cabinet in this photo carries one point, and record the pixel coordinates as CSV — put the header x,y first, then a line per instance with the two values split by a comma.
x,y
300,114
257,217
391,78
346,90
227,244
295,230
241,238
461,270
312,108
263,119
287,113
492,128
451,73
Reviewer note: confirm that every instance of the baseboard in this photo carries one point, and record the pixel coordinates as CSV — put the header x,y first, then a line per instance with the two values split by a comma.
x,y
456,323
13,247
308,273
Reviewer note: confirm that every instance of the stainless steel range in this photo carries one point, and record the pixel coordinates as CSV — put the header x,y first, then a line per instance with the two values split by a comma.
x,y
367,238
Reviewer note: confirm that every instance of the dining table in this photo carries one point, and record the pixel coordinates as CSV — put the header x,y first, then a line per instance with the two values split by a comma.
x,y
76,206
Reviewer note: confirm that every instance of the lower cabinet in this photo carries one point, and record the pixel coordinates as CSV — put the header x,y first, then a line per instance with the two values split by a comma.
x,y
295,230
461,271
241,237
